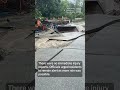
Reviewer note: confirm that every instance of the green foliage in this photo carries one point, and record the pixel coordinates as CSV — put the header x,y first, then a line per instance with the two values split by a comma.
x,y
83,8
71,16
63,7
56,8
38,13
49,8
80,15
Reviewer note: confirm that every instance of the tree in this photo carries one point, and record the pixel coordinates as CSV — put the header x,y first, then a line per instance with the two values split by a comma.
x,y
49,8
83,7
64,5
56,8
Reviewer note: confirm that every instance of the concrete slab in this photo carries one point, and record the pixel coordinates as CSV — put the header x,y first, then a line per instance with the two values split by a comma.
x,y
70,55
79,25
16,40
104,20
102,61
64,83
105,42
37,35
67,28
68,36
45,54
103,68
78,44
17,70
59,83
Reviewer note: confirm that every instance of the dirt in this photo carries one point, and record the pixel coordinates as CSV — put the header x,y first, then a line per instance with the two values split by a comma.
x,y
52,44
46,43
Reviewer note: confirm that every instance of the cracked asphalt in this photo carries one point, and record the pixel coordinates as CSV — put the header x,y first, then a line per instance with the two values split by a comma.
x,y
74,52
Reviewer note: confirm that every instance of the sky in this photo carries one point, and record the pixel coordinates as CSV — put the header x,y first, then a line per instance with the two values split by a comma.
x,y
72,1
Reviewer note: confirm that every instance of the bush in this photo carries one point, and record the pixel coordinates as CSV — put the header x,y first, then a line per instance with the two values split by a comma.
x,y
71,16
80,15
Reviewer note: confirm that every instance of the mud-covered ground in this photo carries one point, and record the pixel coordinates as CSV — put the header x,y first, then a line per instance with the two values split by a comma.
x,y
44,42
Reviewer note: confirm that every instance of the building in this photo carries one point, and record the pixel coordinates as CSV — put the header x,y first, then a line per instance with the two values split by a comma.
x,y
72,10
